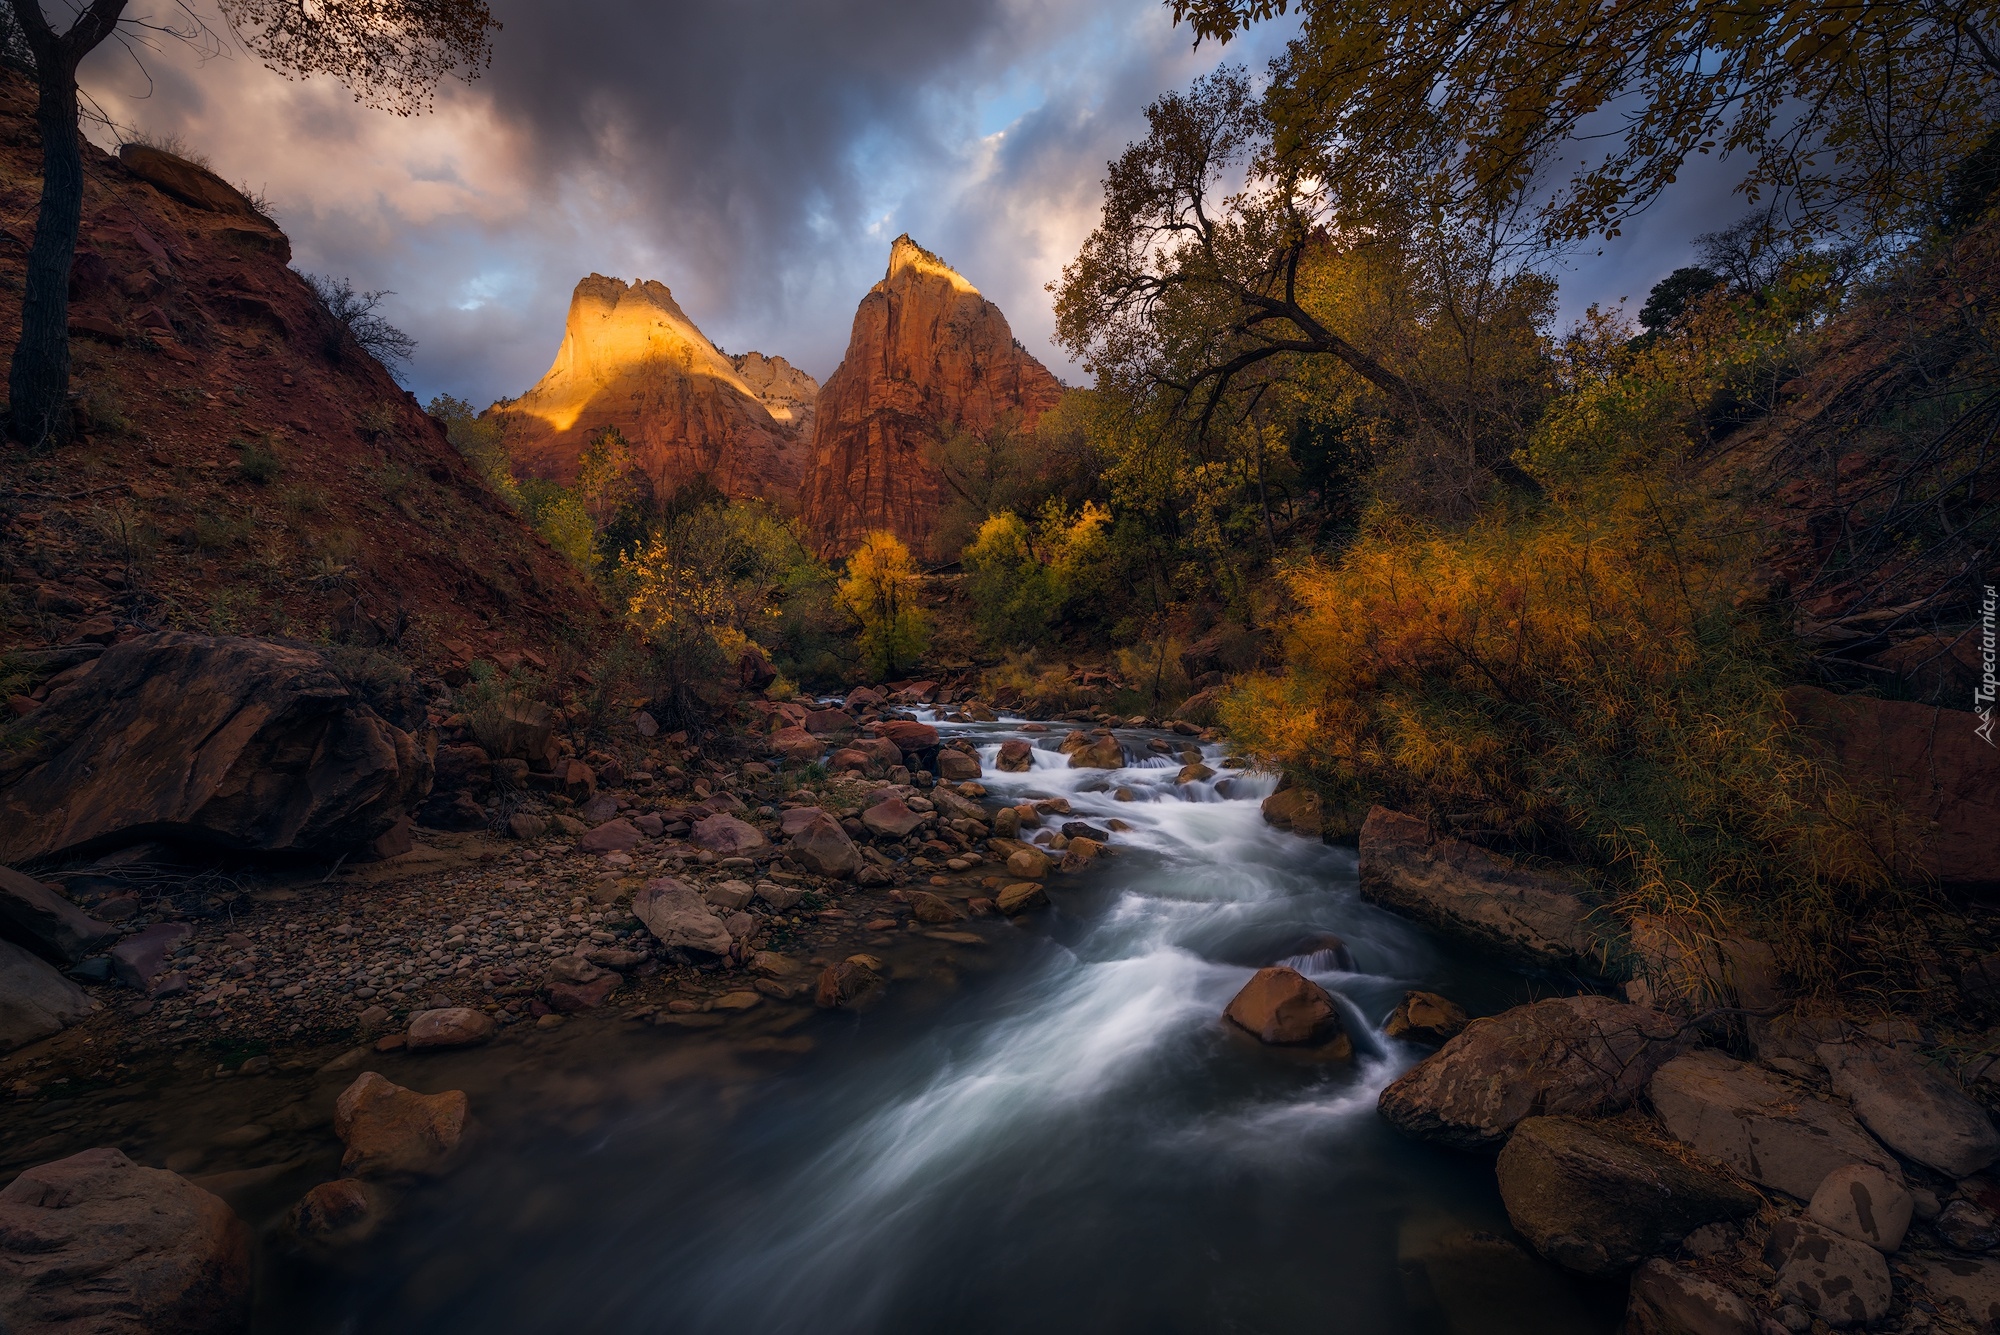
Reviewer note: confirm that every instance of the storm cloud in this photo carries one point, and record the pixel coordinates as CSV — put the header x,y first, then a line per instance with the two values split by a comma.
x,y
756,156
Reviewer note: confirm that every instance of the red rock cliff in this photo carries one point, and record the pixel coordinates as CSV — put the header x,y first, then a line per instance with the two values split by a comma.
x,y
927,354
631,358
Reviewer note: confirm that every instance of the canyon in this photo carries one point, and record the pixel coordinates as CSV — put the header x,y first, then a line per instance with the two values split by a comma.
x,y
928,355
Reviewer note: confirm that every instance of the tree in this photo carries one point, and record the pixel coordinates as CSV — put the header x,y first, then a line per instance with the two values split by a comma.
x,y
391,53
881,590
1858,112
1672,295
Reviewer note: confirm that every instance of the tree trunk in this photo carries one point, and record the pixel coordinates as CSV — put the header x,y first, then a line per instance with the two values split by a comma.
x,y
38,381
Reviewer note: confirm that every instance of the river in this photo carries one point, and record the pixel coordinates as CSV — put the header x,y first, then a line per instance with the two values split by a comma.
x,y
1052,1133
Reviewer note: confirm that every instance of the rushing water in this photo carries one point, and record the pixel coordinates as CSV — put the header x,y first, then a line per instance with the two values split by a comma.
x,y
1055,1136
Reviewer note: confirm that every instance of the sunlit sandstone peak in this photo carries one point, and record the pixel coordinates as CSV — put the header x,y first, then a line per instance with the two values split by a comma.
x,y
928,355
631,358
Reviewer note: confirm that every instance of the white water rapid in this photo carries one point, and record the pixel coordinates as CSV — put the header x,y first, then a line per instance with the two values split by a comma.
x,y
1068,1140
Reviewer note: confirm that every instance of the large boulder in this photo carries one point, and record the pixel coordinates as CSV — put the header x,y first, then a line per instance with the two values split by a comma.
x,y
1758,1126
1297,810
1595,1198
1016,756
1533,916
1840,1281
1574,1055
955,766
1932,767
1862,1202
227,741
35,1000
677,916
1098,753
724,834
1669,1300
1912,1107
36,917
910,736
96,1245
823,847
1281,1005
392,1131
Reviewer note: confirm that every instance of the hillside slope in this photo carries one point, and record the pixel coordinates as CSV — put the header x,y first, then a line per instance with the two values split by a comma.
x,y
244,466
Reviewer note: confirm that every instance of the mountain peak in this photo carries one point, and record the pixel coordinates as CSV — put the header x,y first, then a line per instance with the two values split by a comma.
x,y
906,256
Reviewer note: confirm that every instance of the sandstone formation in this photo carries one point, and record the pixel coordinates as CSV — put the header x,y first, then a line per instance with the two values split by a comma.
x,y
631,358
223,741
928,355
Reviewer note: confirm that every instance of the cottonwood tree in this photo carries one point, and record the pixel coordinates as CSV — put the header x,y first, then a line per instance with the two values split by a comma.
x,y
391,53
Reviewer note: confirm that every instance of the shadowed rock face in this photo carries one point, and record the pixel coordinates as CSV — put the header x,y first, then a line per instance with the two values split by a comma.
x,y
928,353
631,358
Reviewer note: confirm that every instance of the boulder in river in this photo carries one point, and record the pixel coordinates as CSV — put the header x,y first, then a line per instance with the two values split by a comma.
x,y
1533,916
1567,1055
1016,756
35,1000
217,740
1912,1106
956,766
1281,1005
1840,1281
36,917
392,1131
1021,896
1758,1126
936,910
1667,1299
1426,1017
678,917
1295,809
338,1213
844,983
94,1244
1596,1198
1098,753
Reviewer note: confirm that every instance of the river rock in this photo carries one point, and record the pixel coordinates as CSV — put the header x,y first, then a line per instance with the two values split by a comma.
x,y
846,982
449,1027
794,819
1839,1280
1963,1285
614,836
1463,890
957,766
1194,773
796,744
568,998
96,1245
1281,1005
1746,1119
1567,1055
908,735
726,835
1032,862
144,960
37,918
1596,1199
1297,810
35,1000
926,907
891,819
677,916
824,848
729,896
1020,897
1098,753
338,1213
1862,1202
217,740
1016,756
1669,1300
390,1130
1426,1017
1912,1107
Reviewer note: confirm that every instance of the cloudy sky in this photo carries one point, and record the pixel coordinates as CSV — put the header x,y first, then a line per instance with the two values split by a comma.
x,y
757,156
